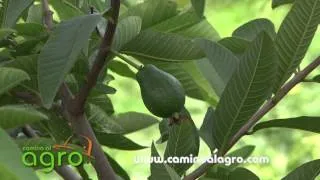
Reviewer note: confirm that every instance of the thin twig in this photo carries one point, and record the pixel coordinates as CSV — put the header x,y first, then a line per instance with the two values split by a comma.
x,y
299,77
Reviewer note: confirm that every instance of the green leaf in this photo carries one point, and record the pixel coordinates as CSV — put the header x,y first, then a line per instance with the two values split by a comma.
x,y
246,91
60,54
164,131
10,77
6,99
117,141
316,79
277,3
160,170
14,116
59,127
98,5
187,24
29,65
152,11
121,124
10,159
303,123
243,152
207,71
251,29
134,121
65,10
177,23
199,6
306,171
159,46
242,173
11,11
127,30
117,168
222,61
27,47
35,14
121,68
173,175
203,29
205,131
5,32
217,172
191,76
183,141
294,37
30,29
103,101
222,171
235,44
101,121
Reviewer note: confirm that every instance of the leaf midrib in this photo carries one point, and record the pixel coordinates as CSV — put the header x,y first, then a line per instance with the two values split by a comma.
x,y
300,42
243,100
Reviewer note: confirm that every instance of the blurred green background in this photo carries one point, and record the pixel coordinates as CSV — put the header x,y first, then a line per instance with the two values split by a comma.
x,y
286,148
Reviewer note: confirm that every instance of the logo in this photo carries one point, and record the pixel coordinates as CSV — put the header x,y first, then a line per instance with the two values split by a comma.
x,y
50,156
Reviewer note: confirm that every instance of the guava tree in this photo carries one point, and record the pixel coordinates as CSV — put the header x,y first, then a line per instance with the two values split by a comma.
x,y
55,59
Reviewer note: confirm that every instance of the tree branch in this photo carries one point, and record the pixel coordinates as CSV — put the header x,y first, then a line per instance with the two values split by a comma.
x,y
73,108
47,15
100,61
299,77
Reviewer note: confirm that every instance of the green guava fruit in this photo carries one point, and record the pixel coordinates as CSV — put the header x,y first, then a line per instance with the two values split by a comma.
x,y
162,93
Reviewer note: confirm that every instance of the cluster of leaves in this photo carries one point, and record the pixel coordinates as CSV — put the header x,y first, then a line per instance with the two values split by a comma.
x,y
235,75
